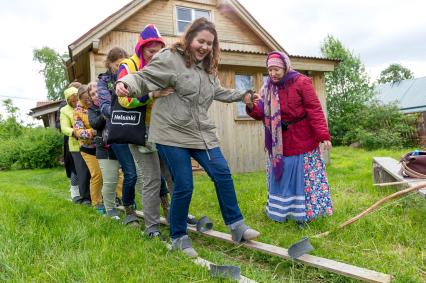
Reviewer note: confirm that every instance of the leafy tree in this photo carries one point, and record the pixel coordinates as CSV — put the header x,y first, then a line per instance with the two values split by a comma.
x,y
10,127
348,89
54,71
395,73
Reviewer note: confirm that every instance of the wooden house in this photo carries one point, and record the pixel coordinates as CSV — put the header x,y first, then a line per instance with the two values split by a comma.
x,y
243,42
410,97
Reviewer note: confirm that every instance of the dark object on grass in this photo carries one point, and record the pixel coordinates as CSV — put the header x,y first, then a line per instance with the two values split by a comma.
x,y
204,224
225,271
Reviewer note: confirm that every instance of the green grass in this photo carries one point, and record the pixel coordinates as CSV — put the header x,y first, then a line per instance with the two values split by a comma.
x,y
44,237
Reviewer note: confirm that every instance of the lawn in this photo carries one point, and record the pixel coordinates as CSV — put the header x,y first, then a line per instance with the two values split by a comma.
x,y
44,237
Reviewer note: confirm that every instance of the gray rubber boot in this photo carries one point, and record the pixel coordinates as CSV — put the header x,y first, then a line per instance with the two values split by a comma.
x,y
241,232
184,244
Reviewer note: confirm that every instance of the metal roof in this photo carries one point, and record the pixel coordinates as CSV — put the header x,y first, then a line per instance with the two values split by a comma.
x,y
410,95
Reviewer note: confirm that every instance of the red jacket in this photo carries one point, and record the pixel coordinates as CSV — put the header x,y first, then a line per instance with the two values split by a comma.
x,y
298,99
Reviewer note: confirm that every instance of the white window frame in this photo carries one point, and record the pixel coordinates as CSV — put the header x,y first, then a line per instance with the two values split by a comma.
x,y
237,115
192,16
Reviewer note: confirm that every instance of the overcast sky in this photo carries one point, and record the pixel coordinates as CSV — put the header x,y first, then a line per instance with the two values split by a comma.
x,y
380,32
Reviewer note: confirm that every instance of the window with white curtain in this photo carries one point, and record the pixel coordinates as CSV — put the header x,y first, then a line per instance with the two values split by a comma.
x,y
185,16
243,82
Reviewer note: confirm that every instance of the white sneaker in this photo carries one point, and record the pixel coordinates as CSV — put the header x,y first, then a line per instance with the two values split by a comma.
x,y
75,192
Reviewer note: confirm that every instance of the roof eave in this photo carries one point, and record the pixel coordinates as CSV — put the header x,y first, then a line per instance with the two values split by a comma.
x,y
105,26
248,19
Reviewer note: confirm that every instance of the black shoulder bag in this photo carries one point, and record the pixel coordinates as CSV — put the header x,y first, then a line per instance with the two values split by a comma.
x,y
127,125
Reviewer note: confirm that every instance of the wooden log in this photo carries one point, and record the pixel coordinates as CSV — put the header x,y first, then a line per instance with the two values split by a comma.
x,y
390,184
375,206
315,261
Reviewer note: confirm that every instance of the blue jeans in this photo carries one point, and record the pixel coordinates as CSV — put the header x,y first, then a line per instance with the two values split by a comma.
x,y
179,162
125,158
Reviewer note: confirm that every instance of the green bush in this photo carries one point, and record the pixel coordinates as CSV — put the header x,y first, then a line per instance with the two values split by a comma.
x,y
34,148
9,153
382,126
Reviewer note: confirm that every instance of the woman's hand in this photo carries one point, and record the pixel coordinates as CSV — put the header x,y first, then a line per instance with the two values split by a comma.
x,y
163,92
248,100
327,145
121,89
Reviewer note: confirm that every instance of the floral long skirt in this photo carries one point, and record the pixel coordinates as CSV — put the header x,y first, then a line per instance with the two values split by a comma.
x,y
303,192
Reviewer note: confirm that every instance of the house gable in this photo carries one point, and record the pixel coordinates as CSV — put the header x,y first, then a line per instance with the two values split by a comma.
x,y
232,30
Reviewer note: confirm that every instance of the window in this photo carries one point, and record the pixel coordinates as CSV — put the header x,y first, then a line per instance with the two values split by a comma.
x,y
187,15
243,82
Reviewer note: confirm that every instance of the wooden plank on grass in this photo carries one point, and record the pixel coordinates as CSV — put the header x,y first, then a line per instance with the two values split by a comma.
x,y
315,261
386,169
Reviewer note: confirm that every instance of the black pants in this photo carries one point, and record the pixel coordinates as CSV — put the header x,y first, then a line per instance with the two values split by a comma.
x,y
83,175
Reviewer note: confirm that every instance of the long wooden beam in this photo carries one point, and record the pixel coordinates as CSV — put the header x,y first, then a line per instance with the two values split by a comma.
x,y
315,261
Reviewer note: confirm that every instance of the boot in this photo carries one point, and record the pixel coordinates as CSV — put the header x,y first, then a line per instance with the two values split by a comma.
x,y
164,199
75,194
131,218
240,232
184,244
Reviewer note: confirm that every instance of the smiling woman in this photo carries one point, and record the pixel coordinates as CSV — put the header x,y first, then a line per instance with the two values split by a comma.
x,y
181,128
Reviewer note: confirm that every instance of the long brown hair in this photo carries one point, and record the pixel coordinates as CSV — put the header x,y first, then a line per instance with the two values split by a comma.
x,y
211,61
113,55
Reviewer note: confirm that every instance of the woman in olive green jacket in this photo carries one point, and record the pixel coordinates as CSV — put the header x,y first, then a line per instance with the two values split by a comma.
x,y
181,128
67,121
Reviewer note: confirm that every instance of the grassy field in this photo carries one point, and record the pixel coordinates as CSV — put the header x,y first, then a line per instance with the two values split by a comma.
x,y
44,237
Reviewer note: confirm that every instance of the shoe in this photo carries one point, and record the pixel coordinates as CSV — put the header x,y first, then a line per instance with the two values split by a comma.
x,y
100,208
184,244
250,234
77,200
131,218
86,202
302,224
240,232
155,235
191,220
75,193
113,214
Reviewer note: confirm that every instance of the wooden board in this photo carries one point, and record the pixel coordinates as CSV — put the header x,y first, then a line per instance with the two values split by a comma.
x,y
315,261
386,169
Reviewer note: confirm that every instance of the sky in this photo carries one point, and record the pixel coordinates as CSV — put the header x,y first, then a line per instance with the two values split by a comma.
x,y
379,32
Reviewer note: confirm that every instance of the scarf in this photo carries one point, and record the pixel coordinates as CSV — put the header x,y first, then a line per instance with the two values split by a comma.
x,y
272,114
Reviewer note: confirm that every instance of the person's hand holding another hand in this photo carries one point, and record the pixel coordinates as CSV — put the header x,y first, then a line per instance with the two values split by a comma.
x,y
121,89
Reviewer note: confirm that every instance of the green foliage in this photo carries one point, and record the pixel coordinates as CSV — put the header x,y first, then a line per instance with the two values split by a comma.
x,y
353,114
348,88
53,70
382,126
25,147
10,127
395,73
34,148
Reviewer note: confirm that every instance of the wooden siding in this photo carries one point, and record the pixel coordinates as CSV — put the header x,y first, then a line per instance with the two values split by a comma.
x,y
82,68
163,15
242,141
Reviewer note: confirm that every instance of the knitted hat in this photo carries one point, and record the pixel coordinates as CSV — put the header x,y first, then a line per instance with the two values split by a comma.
x,y
278,59
275,60
150,33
